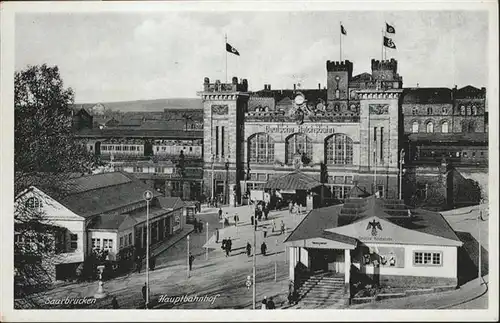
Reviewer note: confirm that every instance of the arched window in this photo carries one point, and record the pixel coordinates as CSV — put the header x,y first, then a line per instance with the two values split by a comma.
x,y
261,149
429,110
414,111
337,94
414,127
429,126
462,110
339,150
298,143
444,127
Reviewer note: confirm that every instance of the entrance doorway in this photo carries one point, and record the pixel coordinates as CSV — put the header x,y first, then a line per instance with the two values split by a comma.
x,y
98,148
219,189
327,260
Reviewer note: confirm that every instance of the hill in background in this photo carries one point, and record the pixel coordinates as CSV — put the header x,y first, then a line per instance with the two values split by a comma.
x,y
149,105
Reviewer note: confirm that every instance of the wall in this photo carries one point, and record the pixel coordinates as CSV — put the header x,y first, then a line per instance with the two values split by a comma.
x,y
58,215
437,117
414,275
480,175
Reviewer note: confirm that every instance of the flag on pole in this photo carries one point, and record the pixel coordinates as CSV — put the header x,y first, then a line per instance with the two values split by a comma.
x,y
232,50
389,43
342,30
390,29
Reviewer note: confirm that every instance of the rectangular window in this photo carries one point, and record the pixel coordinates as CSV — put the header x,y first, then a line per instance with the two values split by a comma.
x,y
421,258
121,242
374,133
348,179
216,140
125,148
96,243
130,238
338,179
222,142
382,145
74,241
337,192
262,177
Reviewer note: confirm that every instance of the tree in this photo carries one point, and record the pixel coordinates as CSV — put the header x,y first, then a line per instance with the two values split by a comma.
x,y
46,155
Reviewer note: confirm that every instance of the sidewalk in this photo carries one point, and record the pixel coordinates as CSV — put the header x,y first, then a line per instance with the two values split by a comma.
x,y
444,300
165,244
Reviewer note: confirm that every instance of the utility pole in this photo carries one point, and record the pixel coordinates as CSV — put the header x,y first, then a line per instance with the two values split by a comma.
x,y
276,263
254,259
148,196
479,274
188,273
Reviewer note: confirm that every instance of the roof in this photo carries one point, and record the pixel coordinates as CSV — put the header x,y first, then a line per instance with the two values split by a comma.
x,y
108,221
427,95
470,92
140,133
171,202
152,105
481,137
96,194
362,77
293,181
356,192
285,97
355,210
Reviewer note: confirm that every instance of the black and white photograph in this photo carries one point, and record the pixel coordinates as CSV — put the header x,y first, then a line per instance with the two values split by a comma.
x,y
249,156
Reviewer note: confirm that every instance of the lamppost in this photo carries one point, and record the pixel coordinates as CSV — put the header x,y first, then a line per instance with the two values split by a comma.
x,y
254,259
401,162
479,274
212,160
148,196
276,263
375,189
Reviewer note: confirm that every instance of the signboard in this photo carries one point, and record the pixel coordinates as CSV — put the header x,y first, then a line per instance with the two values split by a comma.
x,y
148,195
289,129
256,195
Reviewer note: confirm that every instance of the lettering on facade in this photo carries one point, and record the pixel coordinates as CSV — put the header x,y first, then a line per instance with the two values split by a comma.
x,y
379,109
375,238
220,109
300,128
315,242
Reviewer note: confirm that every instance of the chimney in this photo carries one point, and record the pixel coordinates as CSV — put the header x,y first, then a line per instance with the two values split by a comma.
x,y
269,87
319,86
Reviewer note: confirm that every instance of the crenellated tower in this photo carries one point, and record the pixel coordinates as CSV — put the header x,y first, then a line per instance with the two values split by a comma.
x,y
224,106
339,75
385,73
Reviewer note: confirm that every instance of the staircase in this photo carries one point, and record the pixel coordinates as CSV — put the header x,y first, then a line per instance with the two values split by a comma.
x,y
322,291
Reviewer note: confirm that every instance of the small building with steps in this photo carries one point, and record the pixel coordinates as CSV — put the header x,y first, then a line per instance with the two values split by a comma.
x,y
369,240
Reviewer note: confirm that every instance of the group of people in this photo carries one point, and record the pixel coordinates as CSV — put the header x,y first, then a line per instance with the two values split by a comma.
x,y
227,245
138,263
294,208
214,202
268,304
198,226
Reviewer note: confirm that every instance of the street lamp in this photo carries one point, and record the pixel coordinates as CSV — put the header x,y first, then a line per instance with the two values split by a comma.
x,y
226,196
148,196
479,274
254,259
275,263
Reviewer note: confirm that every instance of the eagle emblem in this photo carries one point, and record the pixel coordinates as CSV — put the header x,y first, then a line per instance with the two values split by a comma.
x,y
374,225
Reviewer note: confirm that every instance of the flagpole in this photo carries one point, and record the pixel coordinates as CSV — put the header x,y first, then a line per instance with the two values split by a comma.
x,y
382,53
385,34
225,37
340,41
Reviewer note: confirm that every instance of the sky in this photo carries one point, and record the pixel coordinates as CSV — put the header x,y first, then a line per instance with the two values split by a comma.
x,y
124,56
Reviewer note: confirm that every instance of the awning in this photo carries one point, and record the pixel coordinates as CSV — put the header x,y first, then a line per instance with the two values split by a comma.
x,y
293,181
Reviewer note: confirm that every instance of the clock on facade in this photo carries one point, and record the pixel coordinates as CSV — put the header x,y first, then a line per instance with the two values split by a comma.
x,y
299,99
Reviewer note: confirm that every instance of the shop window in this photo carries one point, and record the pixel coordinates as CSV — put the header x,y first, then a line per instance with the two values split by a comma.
x,y
74,241
261,148
421,258
339,150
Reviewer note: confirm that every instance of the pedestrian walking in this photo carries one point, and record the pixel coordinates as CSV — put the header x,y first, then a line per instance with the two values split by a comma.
x,y
229,245
236,219
282,227
290,207
249,249
220,214
217,235
264,303
191,259
114,303
195,225
270,304
263,248
138,263
251,219
294,207
224,243
274,226
264,230
266,212
144,290
300,209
